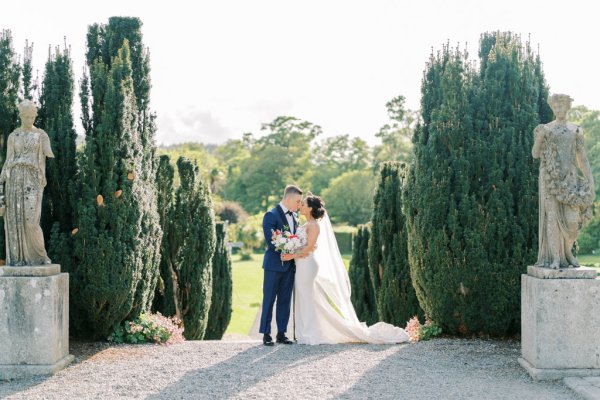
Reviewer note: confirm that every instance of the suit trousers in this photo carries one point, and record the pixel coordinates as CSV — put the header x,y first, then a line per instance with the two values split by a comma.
x,y
277,286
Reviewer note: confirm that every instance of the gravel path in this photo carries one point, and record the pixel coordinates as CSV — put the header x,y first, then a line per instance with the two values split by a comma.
x,y
438,369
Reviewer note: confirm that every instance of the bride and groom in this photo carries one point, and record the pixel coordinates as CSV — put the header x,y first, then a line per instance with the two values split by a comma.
x,y
323,311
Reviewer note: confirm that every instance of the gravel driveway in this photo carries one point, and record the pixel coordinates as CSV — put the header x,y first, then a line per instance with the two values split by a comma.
x,y
438,369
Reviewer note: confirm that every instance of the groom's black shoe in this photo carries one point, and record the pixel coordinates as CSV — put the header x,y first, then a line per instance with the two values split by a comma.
x,y
268,340
281,338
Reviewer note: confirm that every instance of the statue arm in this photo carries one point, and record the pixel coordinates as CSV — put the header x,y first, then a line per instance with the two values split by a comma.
x,y
46,148
582,159
538,138
10,153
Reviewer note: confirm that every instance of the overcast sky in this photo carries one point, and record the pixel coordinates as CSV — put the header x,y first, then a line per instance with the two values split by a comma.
x,y
221,68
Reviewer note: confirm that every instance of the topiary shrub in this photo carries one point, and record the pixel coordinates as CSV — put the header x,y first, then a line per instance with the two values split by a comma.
x,y
362,294
187,248
222,288
388,254
471,195
116,238
231,212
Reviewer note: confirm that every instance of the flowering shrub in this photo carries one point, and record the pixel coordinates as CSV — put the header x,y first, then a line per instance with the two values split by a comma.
x,y
417,331
413,329
153,328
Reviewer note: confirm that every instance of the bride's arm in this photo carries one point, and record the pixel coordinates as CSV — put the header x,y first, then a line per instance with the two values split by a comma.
x,y
312,233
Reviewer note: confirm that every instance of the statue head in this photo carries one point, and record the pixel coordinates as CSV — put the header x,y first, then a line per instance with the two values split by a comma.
x,y
560,105
27,111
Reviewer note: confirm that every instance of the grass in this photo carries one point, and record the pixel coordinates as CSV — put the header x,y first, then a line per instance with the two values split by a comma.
x,y
247,292
590,260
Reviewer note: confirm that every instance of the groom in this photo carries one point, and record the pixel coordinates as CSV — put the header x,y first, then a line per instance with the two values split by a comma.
x,y
278,280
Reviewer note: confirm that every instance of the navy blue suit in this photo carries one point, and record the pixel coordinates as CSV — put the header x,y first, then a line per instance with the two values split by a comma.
x,y
278,282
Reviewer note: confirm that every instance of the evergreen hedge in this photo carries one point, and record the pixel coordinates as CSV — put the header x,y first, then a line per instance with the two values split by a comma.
x,y
343,237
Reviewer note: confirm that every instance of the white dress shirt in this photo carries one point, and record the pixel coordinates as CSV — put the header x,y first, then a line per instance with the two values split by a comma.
x,y
290,219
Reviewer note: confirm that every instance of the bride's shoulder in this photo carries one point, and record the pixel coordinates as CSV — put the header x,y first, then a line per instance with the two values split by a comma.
x,y
313,226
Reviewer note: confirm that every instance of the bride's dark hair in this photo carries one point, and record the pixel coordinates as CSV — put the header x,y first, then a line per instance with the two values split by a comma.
x,y
316,204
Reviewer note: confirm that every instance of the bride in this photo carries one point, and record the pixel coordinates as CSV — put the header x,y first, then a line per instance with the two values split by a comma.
x,y
323,310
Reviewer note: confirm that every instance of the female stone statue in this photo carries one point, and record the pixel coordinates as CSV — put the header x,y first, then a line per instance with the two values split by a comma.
x,y
24,177
565,196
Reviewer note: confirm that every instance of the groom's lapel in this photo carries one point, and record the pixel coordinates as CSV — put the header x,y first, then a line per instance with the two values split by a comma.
x,y
295,222
282,216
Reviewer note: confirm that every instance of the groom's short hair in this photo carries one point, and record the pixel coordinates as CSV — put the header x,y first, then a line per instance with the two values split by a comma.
x,y
291,190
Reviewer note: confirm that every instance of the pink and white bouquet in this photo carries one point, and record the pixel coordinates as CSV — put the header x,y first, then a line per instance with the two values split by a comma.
x,y
286,242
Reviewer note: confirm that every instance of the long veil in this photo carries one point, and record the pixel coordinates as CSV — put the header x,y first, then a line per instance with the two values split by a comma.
x,y
334,283
332,275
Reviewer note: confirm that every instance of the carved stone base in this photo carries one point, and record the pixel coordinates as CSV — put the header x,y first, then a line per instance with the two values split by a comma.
x,y
34,321
21,371
560,319
551,374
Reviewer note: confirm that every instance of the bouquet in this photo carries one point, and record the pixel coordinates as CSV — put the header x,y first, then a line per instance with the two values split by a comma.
x,y
286,242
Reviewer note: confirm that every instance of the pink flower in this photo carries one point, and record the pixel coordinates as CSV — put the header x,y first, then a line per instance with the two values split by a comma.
x,y
413,329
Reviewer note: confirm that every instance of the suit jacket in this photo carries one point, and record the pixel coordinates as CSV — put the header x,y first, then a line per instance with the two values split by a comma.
x,y
273,220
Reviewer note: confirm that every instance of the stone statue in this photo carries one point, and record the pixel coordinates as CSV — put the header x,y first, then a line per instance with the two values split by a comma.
x,y
565,195
24,177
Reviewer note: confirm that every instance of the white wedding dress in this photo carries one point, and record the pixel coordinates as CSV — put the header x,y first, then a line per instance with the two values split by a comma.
x,y
323,310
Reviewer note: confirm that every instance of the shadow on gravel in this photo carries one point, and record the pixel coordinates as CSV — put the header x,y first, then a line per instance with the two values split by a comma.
x,y
242,371
15,386
454,369
80,349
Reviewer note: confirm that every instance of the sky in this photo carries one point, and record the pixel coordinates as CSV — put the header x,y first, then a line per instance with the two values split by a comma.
x,y
223,67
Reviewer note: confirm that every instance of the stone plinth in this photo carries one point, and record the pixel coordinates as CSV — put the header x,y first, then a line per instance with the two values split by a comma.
x,y
560,321
34,321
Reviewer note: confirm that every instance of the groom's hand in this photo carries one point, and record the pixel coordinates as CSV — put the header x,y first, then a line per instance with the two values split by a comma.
x,y
287,257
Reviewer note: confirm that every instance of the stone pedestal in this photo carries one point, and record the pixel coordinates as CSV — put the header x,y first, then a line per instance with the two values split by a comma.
x,y
34,321
560,323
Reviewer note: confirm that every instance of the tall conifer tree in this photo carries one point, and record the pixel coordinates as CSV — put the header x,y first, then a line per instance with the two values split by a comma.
x,y
363,292
56,118
388,255
471,196
222,287
29,83
187,248
117,245
10,72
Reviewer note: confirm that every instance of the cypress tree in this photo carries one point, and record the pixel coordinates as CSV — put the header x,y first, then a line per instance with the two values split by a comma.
x,y
165,174
29,84
362,294
56,118
471,195
187,248
222,288
117,244
10,71
388,255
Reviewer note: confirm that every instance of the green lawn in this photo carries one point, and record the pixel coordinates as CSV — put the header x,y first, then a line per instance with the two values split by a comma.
x,y
590,260
247,292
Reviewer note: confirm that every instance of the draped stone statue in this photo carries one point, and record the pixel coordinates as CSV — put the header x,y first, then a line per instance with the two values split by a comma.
x,y
23,179
566,186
